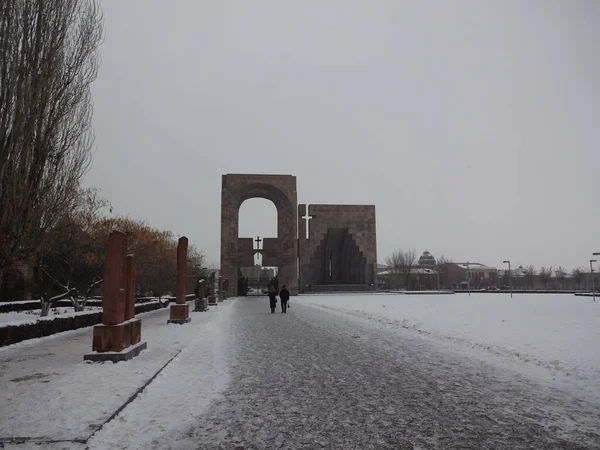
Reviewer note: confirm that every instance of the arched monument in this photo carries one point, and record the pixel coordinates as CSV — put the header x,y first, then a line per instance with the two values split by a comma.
x,y
282,251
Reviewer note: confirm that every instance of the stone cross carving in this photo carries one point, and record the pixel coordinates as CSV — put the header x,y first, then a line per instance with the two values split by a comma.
x,y
182,248
221,296
200,304
130,288
118,337
180,312
211,285
225,288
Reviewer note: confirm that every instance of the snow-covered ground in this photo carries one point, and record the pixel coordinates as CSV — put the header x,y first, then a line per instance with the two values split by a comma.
x,y
338,371
33,315
551,337
50,394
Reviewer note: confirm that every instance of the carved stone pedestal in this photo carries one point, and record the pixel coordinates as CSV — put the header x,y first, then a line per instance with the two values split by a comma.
x,y
200,305
116,342
212,300
180,314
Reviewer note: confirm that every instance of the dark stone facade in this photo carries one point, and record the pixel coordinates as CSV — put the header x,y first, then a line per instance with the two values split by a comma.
x,y
341,248
281,251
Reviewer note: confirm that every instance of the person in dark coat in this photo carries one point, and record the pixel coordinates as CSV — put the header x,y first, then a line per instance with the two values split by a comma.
x,y
272,298
284,296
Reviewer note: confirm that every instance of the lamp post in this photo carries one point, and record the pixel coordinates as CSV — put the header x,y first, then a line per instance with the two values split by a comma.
x,y
509,277
595,254
592,261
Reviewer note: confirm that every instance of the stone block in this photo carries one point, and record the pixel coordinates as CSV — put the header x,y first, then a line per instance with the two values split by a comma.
x,y
123,355
110,338
136,331
180,313
200,305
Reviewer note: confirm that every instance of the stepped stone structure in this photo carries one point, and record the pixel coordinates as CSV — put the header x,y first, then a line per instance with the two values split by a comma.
x,y
340,248
180,311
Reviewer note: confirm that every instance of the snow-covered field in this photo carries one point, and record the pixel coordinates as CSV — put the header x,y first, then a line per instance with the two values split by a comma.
x,y
551,337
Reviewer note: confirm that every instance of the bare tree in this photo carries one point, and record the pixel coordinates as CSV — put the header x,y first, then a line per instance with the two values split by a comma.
x,y
48,59
545,275
72,256
529,276
561,274
577,276
442,269
401,262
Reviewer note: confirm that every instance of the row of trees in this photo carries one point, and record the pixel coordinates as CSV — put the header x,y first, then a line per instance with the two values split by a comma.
x,y
547,277
70,262
48,60
403,262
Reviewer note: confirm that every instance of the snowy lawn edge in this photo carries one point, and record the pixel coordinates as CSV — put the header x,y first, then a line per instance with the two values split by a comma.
x,y
14,332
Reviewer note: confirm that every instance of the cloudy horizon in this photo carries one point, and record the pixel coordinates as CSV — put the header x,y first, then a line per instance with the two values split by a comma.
x,y
472,126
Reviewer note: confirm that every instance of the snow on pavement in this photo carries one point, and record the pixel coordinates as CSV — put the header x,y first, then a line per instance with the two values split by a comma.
x,y
49,393
551,337
318,379
333,373
177,397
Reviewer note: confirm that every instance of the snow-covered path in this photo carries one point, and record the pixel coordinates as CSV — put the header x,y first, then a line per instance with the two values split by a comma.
x,y
239,377
48,394
317,379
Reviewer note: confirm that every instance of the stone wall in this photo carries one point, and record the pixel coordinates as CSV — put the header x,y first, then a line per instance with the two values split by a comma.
x,y
359,223
282,252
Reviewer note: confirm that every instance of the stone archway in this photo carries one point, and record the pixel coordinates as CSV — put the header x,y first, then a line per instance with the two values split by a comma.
x,y
282,251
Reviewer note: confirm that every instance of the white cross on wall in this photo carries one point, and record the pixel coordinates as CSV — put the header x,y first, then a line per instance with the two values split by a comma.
x,y
307,217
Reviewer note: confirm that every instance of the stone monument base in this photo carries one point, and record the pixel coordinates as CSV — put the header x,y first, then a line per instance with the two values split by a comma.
x,y
220,297
124,355
180,313
115,338
212,300
200,305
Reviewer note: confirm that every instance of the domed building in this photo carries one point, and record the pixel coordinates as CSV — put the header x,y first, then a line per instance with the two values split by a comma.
x,y
427,260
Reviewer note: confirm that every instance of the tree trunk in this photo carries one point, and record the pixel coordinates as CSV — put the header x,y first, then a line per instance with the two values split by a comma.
x,y
77,305
45,306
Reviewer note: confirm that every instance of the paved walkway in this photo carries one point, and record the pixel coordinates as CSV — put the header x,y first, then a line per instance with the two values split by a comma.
x,y
50,395
314,379
317,379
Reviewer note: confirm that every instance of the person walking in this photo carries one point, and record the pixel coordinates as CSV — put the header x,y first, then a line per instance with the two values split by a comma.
x,y
284,296
272,298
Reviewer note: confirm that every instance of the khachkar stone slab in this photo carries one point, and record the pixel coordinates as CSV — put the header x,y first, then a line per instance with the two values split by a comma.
x,y
221,296
201,302
212,299
118,338
180,312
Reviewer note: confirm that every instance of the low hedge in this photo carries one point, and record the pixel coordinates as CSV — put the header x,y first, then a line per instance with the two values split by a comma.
x,y
16,333
36,304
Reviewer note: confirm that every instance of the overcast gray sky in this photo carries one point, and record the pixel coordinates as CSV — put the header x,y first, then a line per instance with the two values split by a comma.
x,y
473,126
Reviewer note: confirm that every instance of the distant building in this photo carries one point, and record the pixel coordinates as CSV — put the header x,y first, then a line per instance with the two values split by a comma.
x,y
427,260
462,275
258,273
